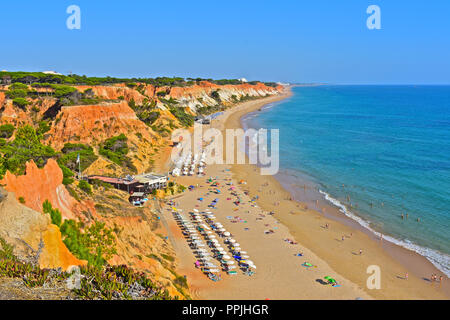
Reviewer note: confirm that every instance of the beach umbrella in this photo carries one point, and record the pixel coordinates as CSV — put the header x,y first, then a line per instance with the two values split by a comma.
x,y
229,262
243,252
226,257
232,240
226,233
195,210
237,244
211,265
330,279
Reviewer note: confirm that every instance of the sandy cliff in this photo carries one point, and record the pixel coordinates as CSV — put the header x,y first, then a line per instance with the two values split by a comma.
x,y
38,185
33,236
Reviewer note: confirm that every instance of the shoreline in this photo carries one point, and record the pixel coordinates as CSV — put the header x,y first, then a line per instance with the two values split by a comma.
x,y
338,211
280,274
417,264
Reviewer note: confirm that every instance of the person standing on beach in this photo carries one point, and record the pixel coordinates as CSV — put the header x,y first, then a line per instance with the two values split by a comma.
x,y
406,276
360,251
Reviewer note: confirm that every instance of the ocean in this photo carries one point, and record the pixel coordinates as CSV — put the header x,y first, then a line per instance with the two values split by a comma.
x,y
375,152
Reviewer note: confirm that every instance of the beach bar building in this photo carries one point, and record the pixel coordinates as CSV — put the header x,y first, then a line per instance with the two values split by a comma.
x,y
146,182
151,181
128,185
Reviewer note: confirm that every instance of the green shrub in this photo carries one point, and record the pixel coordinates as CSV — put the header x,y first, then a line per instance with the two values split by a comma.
x,y
185,119
20,102
26,146
7,130
95,244
167,257
18,85
55,214
21,200
44,127
181,281
116,149
16,93
67,175
149,117
68,159
215,95
7,251
85,186
61,91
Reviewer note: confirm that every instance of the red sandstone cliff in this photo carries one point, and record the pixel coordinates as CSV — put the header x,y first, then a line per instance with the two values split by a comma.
x,y
38,185
92,124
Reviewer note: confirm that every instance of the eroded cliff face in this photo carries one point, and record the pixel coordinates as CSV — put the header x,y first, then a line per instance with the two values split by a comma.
x,y
140,246
117,91
31,232
192,97
112,115
33,236
38,185
91,124
199,95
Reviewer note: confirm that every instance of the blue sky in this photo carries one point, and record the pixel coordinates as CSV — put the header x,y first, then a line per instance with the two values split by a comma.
x,y
293,41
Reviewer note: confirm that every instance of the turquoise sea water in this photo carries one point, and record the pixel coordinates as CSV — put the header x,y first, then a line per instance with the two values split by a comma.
x,y
389,146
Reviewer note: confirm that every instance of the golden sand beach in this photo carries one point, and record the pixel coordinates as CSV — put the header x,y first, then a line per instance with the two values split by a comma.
x,y
333,250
